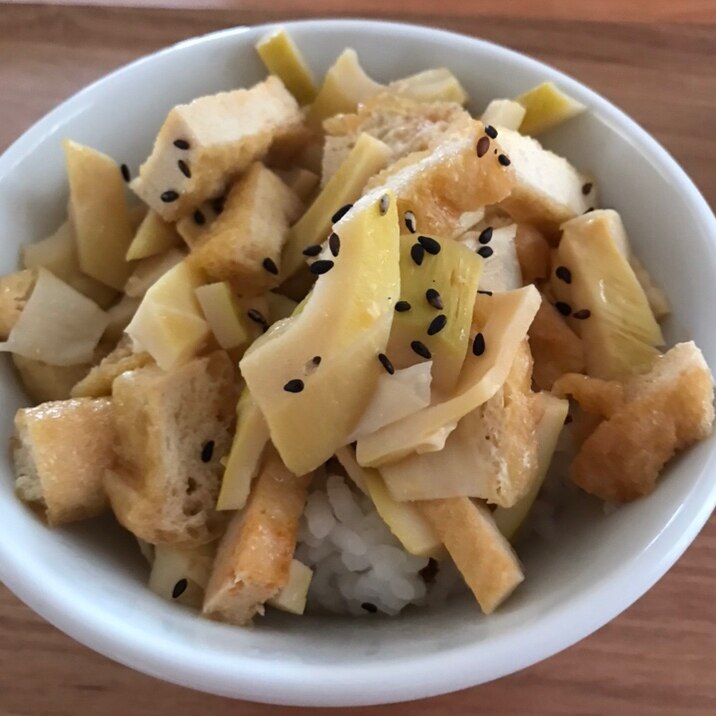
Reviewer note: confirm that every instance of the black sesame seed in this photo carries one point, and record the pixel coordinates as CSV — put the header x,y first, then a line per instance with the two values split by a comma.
x,y
270,265
207,451
563,274
491,132
587,188
125,172
199,217
485,235
385,362
218,204
169,196
316,360
410,222
421,349
179,588
564,308
582,314
294,386
181,144
504,160
321,266
184,168
334,243
256,316
402,306
485,293
591,208
417,253
483,146
485,252
568,420
312,250
434,298
341,213
430,245
369,607
384,204
437,324
478,345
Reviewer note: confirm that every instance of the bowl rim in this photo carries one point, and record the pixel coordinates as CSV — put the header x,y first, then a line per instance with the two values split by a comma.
x,y
422,675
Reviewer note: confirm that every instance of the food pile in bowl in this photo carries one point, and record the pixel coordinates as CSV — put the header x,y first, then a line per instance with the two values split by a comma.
x,y
340,348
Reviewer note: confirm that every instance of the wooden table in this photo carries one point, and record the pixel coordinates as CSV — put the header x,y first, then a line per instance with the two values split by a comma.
x,y
654,59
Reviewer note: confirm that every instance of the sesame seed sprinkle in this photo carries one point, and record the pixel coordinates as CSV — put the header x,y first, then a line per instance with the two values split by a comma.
x,y
369,607
483,146
385,362
491,132
402,306
417,253
312,250
564,308
125,173
587,188
582,314
256,316
384,204
169,196
270,265
485,235
437,324
485,293
184,168
317,268
478,345
181,144
179,588
199,218
429,244
207,451
341,213
504,160
294,385
485,252
410,222
563,274
334,243
434,298
316,360
421,349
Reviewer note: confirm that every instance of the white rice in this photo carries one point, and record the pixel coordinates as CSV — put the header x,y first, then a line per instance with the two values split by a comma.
x,y
359,566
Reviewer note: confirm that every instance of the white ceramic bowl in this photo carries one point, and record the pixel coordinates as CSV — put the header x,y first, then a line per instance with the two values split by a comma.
x,y
89,580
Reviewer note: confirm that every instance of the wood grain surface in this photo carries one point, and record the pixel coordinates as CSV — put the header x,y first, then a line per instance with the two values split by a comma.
x,y
655,60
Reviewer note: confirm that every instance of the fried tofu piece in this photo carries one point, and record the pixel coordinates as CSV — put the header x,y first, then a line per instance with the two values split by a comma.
x,y
250,232
484,557
44,382
594,395
405,125
441,184
556,348
15,290
254,557
533,253
215,138
547,190
172,430
61,450
98,381
664,411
